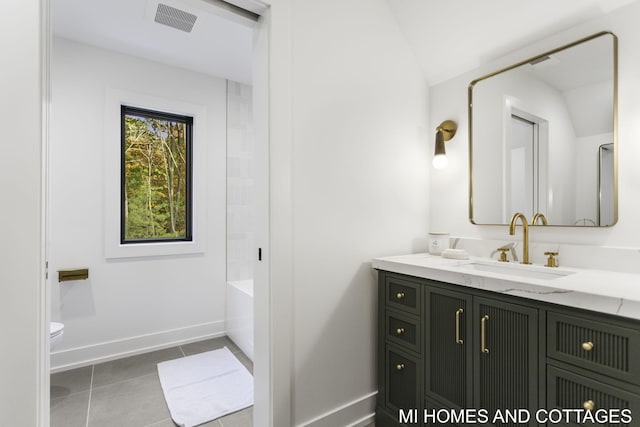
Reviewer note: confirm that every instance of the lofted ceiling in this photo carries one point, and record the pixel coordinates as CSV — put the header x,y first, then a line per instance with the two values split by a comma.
x,y
220,43
452,37
448,37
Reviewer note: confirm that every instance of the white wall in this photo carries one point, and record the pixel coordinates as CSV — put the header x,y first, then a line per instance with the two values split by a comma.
x,y
358,181
128,304
21,277
241,204
449,188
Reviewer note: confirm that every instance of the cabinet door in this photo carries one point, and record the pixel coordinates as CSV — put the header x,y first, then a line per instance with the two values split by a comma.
x,y
505,356
402,373
448,347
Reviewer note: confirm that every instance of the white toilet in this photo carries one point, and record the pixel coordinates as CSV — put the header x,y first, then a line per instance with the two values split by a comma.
x,y
56,331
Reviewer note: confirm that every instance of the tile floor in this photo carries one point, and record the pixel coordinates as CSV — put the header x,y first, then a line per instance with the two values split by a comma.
x,y
126,392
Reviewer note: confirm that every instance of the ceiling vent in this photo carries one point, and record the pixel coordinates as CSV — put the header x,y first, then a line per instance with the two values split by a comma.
x,y
175,18
545,61
539,60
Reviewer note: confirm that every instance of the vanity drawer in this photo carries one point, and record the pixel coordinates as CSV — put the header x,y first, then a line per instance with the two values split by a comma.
x,y
402,372
403,295
403,329
568,390
602,347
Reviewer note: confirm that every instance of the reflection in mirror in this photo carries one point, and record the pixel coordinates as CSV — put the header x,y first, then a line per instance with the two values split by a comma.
x,y
606,188
535,132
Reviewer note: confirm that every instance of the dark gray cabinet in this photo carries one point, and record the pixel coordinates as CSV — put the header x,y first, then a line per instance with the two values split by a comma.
x,y
481,352
401,358
569,388
444,346
593,362
449,329
505,356
596,345
402,373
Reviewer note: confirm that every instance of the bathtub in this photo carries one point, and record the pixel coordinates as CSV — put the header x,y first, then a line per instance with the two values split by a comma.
x,y
240,315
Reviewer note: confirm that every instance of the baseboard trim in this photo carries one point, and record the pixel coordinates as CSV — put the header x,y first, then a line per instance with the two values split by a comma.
x,y
77,357
357,413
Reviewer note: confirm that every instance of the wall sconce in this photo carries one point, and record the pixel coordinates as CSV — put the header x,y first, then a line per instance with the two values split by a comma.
x,y
444,132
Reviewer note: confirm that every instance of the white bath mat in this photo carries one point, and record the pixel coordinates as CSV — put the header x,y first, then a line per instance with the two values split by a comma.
x,y
205,386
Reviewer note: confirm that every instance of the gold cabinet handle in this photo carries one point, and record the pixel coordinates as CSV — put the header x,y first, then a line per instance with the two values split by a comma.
x,y
483,344
458,339
589,405
399,366
399,331
587,346
400,295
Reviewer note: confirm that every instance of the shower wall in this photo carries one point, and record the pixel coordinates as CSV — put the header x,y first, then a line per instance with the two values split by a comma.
x,y
240,183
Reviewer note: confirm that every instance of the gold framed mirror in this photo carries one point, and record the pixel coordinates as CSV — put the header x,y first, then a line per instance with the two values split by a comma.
x,y
535,131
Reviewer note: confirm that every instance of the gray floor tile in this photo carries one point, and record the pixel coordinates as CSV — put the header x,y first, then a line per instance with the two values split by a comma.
x,y
70,382
132,367
164,423
215,344
127,392
242,418
245,361
208,345
133,403
170,423
70,411
214,423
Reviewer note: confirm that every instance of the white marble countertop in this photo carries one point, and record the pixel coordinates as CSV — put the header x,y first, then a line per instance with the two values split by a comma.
x,y
598,290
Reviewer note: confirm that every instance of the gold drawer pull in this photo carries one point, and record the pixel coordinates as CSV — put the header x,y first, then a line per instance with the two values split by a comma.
x,y
458,339
483,344
589,405
399,366
400,295
399,331
587,346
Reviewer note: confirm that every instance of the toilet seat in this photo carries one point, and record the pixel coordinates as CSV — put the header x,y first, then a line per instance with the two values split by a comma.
x,y
55,329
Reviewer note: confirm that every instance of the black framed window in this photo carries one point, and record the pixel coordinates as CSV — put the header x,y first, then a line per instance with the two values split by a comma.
x,y
156,176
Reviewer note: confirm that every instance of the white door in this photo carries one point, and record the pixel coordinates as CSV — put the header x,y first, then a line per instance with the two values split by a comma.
x,y
523,165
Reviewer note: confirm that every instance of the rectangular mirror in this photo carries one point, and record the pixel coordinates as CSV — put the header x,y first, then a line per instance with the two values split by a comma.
x,y
536,132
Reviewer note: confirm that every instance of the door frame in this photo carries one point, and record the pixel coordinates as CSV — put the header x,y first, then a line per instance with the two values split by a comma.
x,y
272,392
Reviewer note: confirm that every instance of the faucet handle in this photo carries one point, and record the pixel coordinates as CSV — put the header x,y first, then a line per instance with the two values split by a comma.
x,y
551,261
503,253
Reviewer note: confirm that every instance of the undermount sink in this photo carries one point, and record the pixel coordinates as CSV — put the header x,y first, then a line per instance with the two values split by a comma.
x,y
528,271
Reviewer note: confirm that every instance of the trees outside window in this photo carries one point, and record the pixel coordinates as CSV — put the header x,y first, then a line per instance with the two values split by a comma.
x,y
156,176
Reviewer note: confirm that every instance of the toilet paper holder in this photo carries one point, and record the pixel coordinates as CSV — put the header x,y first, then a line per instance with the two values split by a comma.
x,y
68,275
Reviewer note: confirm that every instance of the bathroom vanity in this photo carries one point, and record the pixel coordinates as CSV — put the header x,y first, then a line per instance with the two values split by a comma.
x,y
513,340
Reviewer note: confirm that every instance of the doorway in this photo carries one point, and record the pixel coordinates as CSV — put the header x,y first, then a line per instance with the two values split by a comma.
x,y
81,303
524,160
526,164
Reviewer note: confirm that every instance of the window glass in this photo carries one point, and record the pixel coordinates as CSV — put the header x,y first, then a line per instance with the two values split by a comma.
x,y
156,176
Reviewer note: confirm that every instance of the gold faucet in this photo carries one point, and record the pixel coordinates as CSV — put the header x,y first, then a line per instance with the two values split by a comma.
x,y
525,237
540,217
